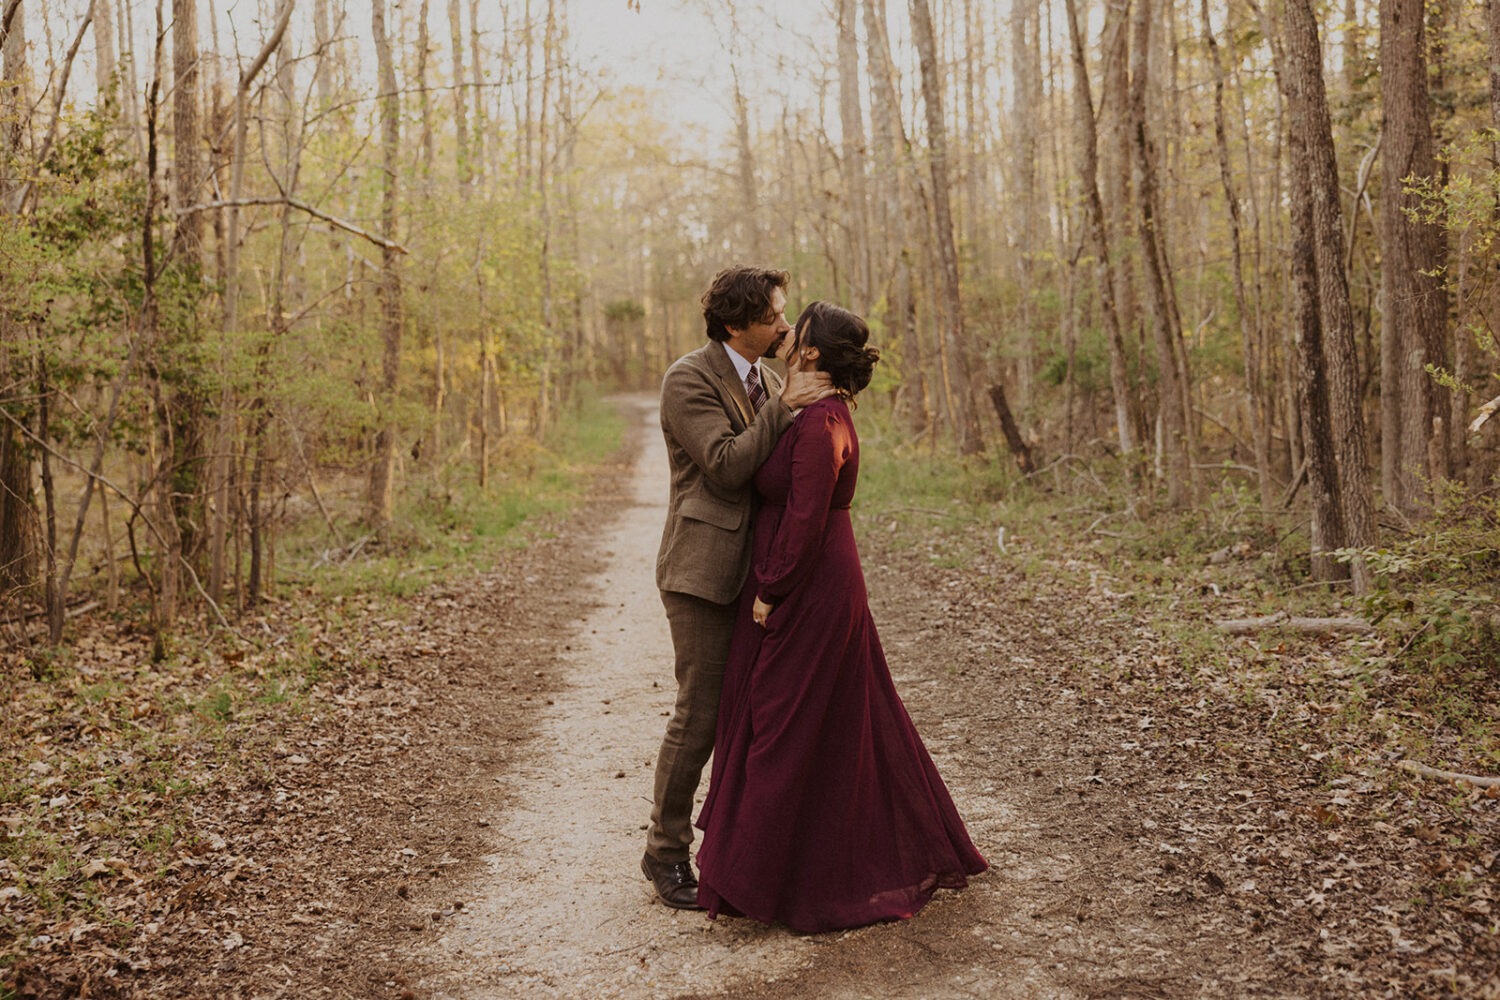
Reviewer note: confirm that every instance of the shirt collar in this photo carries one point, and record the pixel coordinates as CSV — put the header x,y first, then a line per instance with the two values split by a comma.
x,y
741,366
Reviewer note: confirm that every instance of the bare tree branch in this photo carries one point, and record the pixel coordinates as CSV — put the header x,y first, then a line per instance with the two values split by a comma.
x,y
302,206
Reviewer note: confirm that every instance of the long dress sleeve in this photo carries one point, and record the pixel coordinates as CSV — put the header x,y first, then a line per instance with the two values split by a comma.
x,y
822,445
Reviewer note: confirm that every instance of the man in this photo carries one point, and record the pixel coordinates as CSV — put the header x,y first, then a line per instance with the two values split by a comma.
x,y
722,412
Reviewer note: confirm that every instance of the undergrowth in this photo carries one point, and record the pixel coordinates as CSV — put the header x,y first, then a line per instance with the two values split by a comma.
x,y
1425,683
104,748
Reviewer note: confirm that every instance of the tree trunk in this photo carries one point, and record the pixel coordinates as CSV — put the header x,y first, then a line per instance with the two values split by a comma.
x,y
1019,449
187,238
1316,182
1027,59
852,159
424,99
388,293
1088,172
1415,307
323,40
221,470
892,177
169,540
1165,329
460,101
1328,531
957,367
17,555
1482,458
104,47
480,166
1260,428
752,242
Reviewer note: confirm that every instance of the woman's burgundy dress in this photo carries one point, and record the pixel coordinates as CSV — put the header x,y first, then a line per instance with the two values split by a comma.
x,y
824,809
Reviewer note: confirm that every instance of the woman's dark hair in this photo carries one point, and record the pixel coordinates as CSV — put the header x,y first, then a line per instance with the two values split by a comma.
x,y
738,297
840,337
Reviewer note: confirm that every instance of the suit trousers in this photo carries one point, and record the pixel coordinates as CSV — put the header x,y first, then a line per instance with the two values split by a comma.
x,y
701,634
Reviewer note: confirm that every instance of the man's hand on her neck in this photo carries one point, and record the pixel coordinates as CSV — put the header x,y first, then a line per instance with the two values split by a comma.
x,y
805,388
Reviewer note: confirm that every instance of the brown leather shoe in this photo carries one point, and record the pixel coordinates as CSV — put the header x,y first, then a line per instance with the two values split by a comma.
x,y
674,881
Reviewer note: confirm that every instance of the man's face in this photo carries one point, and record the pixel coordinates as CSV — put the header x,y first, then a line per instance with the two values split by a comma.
x,y
761,338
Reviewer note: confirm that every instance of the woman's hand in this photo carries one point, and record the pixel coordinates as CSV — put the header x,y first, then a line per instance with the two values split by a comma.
x,y
760,612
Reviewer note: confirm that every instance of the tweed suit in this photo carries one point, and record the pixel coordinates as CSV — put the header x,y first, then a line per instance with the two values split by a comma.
x,y
715,443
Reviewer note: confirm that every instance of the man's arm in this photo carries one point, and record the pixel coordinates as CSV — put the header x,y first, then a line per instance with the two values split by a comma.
x,y
693,413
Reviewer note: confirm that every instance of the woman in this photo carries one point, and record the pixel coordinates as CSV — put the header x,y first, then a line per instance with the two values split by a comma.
x,y
824,809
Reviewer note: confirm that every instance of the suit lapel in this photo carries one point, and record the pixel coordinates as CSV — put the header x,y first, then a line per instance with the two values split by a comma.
x,y
718,361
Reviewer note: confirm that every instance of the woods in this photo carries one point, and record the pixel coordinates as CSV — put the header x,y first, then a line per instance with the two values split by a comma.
x,y
1187,312
248,264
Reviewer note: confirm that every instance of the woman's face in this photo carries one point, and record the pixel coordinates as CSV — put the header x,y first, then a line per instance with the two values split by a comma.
x,y
794,352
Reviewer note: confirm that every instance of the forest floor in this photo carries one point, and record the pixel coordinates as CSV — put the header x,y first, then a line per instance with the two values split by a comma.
x,y
459,810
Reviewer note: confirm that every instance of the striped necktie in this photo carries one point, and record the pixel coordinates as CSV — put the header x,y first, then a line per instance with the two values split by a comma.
x,y
756,390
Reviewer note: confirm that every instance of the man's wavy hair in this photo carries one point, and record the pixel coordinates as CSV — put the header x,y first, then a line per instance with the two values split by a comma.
x,y
738,297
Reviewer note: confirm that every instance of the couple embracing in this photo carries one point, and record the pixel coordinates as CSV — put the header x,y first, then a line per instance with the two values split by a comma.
x,y
824,810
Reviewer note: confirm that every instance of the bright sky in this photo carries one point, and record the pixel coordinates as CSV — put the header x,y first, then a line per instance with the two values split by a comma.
x,y
678,49
681,48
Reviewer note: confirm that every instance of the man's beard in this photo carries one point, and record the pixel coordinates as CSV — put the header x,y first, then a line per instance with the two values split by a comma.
x,y
770,352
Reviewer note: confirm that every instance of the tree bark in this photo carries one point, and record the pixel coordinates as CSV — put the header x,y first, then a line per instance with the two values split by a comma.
x,y
1019,449
105,66
1315,196
1260,427
1328,530
1415,307
1026,55
424,97
752,239
852,159
388,292
221,466
1088,173
187,238
17,554
460,101
1165,327
957,367
893,181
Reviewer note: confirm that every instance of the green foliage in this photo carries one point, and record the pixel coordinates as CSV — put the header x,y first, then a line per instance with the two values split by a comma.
x,y
1437,589
624,311
1090,363
442,527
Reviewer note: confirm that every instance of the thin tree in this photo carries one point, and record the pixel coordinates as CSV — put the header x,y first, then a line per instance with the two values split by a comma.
x,y
852,157
956,366
1414,443
17,514
388,292
1175,417
1088,172
1260,427
891,178
224,434
1315,195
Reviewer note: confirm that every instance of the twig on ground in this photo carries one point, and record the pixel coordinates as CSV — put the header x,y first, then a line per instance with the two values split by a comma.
x,y
1239,626
1477,780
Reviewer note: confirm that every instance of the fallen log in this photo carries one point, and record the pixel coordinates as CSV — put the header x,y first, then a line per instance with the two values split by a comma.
x,y
1317,626
1477,780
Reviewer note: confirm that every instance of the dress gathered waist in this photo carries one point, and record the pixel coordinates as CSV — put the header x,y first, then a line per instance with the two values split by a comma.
x,y
782,506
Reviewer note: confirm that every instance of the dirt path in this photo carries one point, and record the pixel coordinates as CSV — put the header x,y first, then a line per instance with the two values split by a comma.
x,y
455,807
561,911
